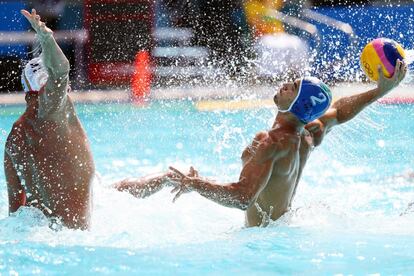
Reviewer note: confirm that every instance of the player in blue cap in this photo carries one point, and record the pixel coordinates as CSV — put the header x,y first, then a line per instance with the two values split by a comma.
x,y
273,163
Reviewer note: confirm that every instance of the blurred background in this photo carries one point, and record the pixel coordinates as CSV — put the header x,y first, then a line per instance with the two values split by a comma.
x,y
119,43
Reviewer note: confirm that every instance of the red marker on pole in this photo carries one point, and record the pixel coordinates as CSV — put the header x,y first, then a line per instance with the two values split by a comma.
x,y
141,79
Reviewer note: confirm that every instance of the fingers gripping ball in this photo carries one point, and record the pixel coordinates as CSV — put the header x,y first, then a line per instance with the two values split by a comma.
x,y
384,52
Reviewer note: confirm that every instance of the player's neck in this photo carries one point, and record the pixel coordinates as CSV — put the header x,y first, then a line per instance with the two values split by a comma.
x,y
31,104
288,121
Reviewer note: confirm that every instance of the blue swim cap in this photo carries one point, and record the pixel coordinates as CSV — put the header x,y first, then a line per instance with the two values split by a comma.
x,y
313,99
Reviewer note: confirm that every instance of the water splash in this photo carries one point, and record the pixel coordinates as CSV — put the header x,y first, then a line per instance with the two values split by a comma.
x,y
409,56
409,59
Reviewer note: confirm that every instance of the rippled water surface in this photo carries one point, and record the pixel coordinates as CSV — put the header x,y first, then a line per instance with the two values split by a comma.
x,y
346,216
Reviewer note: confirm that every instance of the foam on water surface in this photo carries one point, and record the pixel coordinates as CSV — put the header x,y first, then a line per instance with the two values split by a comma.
x,y
349,214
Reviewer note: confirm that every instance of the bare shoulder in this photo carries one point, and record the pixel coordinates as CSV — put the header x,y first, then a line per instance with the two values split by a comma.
x,y
17,128
251,149
320,127
16,135
275,143
283,139
270,144
317,129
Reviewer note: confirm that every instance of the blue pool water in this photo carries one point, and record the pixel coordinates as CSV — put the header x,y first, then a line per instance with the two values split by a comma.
x,y
345,218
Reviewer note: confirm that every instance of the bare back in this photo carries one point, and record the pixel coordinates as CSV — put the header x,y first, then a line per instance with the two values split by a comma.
x,y
275,198
54,164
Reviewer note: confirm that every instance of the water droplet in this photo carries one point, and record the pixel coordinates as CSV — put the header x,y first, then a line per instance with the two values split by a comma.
x,y
179,146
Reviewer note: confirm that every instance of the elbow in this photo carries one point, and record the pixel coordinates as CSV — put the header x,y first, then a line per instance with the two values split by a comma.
x,y
246,201
246,196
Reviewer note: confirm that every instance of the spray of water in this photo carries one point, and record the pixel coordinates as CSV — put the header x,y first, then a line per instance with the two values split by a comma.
x,y
409,56
409,59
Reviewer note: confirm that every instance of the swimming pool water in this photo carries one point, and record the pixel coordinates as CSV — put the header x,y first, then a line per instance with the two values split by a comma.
x,y
345,218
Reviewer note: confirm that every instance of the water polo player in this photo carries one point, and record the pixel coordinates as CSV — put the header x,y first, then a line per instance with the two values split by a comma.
x,y
273,163
48,162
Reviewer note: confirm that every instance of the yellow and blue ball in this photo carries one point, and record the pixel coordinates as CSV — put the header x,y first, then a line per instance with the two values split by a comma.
x,y
384,52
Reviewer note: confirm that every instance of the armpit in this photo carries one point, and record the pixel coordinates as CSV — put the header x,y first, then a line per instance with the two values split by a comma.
x,y
309,139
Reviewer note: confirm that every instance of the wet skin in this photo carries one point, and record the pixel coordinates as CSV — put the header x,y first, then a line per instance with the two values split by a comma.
x,y
48,162
274,161
295,144
272,165
52,165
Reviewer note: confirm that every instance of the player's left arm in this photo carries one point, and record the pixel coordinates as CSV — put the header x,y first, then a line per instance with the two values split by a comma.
x,y
145,186
347,108
243,193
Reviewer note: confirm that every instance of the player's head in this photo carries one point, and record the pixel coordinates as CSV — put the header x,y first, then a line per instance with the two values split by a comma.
x,y
34,75
307,98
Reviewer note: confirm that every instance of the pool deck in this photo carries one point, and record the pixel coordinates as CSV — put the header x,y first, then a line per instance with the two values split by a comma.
x,y
217,97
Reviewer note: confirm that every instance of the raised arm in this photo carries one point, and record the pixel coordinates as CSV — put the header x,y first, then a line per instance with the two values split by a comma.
x,y
56,63
347,108
16,192
243,193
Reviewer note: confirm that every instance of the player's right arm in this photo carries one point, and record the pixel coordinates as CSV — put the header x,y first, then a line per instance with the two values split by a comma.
x,y
54,96
243,193
347,108
16,192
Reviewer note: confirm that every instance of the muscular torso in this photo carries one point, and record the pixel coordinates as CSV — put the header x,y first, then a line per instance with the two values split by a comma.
x,y
275,198
54,163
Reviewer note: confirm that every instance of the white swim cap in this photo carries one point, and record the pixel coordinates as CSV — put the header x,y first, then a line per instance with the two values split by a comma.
x,y
34,75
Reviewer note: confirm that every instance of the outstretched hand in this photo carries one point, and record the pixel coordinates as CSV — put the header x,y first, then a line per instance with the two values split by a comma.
x,y
37,25
387,84
183,181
